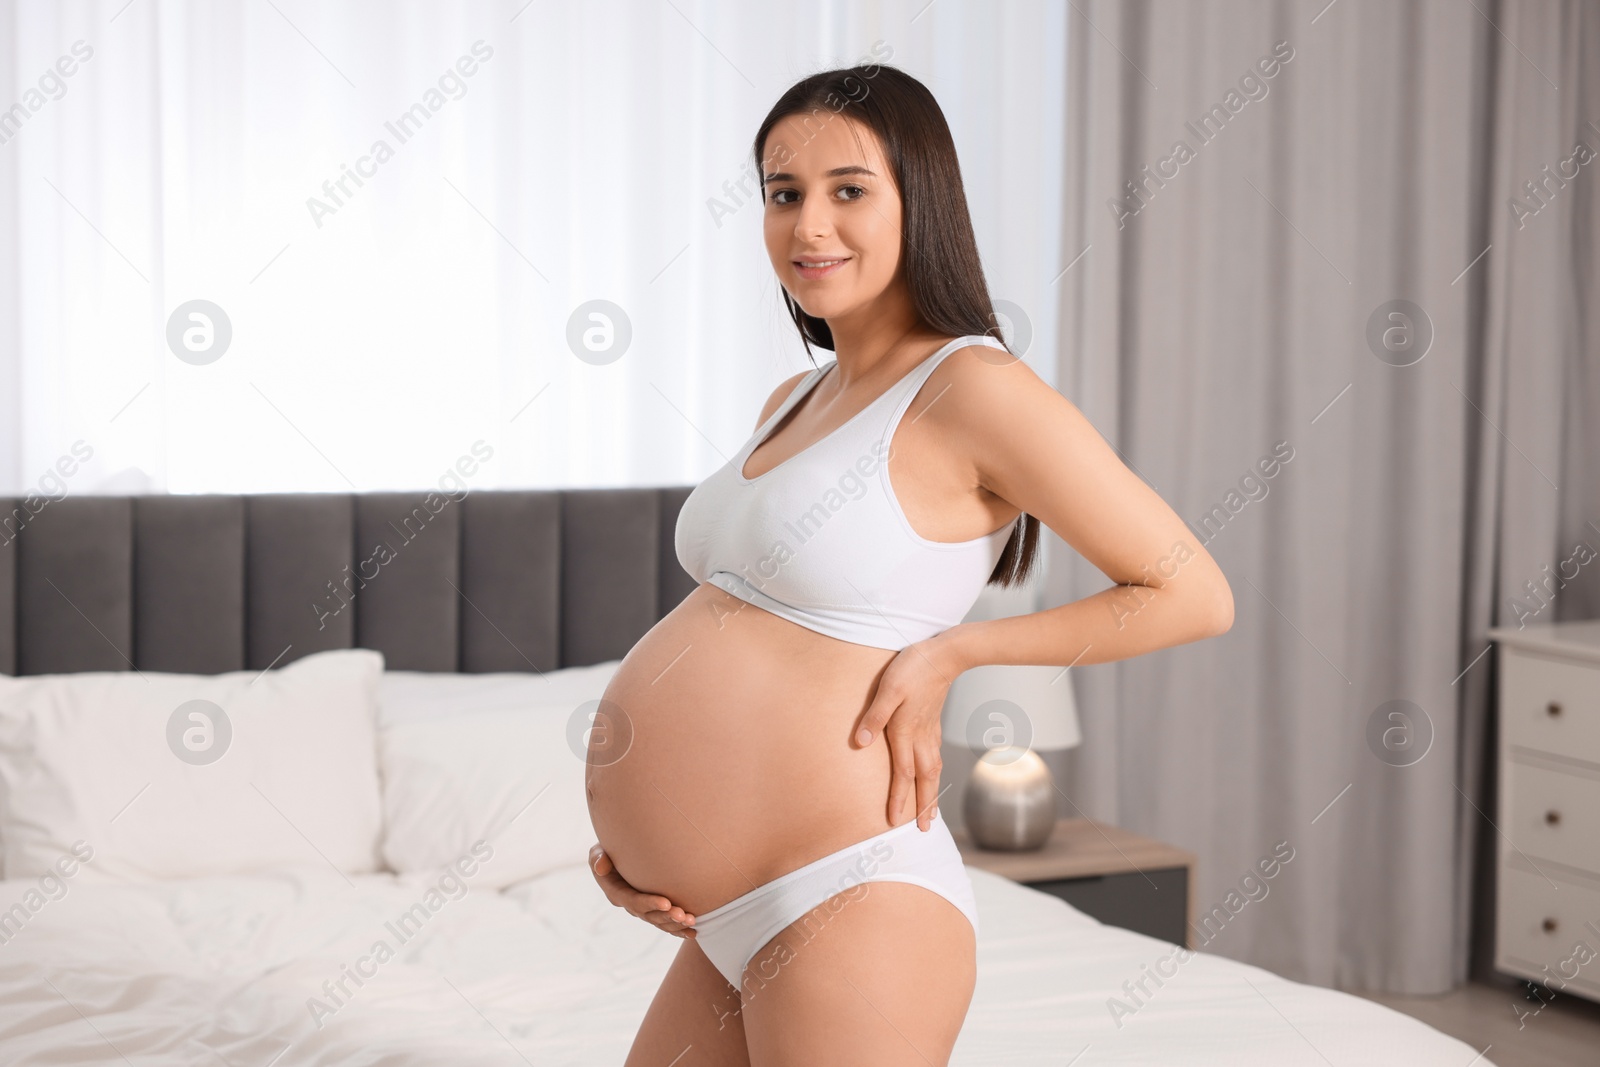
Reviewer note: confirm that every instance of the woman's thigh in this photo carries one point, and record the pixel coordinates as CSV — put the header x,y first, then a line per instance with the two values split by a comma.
x,y
884,980
695,1010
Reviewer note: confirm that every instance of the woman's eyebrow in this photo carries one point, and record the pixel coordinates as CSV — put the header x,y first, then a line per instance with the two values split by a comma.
x,y
785,176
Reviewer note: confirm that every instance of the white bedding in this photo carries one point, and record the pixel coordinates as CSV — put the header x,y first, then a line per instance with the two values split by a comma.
x,y
548,972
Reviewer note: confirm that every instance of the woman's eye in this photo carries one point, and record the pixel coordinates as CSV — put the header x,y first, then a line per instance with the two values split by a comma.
x,y
778,195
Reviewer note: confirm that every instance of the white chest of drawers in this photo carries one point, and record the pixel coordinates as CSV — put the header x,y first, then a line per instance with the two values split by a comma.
x,y
1547,907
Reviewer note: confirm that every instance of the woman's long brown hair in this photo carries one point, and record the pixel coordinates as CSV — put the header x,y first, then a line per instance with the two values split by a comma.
x,y
938,250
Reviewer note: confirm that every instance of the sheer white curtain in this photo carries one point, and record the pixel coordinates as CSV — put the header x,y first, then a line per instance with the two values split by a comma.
x,y
392,306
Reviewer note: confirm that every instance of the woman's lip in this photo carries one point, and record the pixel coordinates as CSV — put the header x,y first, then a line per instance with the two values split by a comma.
x,y
811,273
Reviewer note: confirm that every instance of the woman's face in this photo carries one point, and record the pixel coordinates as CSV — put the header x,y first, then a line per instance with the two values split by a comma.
x,y
829,196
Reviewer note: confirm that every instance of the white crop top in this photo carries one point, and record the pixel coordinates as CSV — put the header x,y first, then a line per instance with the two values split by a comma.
x,y
820,539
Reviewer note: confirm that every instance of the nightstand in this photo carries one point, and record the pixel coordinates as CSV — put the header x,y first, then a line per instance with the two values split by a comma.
x,y
1115,876
1547,874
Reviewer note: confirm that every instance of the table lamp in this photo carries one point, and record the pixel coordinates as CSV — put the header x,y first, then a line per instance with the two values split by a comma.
x,y
1008,714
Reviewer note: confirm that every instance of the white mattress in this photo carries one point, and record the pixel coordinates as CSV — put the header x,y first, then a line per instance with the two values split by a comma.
x,y
165,973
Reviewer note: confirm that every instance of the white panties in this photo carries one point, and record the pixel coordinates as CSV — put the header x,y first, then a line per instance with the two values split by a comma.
x,y
731,934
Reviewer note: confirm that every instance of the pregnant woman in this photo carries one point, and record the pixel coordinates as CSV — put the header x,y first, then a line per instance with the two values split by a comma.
x,y
763,775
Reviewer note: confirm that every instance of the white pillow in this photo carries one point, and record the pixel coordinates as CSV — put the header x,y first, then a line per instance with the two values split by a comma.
x,y
496,758
141,768
417,696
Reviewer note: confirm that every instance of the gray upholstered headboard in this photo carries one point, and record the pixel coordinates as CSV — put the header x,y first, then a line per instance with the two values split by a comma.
x,y
497,580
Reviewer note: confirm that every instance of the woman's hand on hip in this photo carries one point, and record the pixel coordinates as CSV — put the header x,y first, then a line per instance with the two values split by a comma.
x,y
906,708
653,908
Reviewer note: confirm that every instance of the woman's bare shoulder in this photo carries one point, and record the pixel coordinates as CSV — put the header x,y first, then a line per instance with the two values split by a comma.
x,y
779,395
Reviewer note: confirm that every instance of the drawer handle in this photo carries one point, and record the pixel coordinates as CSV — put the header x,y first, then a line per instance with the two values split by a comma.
x,y
1552,817
1554,708
1549,926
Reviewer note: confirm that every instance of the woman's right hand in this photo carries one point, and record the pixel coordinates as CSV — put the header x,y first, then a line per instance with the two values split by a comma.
x,y
651,907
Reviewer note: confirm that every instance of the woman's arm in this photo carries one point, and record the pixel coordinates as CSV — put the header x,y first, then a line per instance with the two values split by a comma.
x,y
1025,443
1033,448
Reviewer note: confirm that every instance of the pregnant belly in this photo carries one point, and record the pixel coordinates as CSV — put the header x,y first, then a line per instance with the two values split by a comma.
x,y
722,756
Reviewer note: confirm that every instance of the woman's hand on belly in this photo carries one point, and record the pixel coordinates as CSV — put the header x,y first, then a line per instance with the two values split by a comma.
x,y
906,709
653,908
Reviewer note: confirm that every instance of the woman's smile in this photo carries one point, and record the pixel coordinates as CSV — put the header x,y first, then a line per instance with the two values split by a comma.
x,y
811,268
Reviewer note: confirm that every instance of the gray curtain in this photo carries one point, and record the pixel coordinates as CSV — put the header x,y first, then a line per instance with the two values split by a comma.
x,y
1236,304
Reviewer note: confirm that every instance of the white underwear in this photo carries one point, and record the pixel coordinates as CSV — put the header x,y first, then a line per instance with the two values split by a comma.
x,y
731,934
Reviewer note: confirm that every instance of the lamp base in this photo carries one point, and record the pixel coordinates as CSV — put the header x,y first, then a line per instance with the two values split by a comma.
x,y
1010,804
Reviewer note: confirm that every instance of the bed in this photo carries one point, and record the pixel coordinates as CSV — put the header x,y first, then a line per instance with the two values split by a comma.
x,y
156,951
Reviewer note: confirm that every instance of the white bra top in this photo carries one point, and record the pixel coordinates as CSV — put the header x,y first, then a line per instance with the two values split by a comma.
x,y
820,539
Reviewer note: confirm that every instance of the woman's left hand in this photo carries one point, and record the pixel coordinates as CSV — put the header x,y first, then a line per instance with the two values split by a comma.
x,y
906,709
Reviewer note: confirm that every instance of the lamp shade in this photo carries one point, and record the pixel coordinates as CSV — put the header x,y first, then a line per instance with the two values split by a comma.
x,y
1004,704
